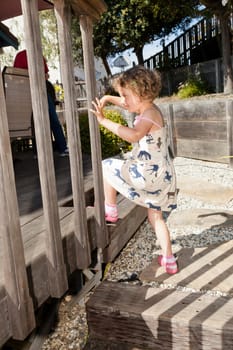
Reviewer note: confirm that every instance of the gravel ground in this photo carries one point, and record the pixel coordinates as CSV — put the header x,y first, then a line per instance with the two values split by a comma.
x,y
71,330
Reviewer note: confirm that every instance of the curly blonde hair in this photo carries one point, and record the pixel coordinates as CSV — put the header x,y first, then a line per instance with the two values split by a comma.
x,y
142,81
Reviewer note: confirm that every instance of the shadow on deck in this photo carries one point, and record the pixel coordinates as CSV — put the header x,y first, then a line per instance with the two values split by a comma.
x,y
28,181
190,310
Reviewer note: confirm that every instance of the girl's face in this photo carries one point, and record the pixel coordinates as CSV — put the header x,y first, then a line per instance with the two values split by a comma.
x,y
130,100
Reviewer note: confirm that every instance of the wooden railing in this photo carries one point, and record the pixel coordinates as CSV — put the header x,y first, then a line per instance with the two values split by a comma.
x,y
181,51
16,301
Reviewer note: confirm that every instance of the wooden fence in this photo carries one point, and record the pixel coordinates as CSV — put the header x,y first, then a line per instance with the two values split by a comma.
x,y
196,52
201,128
199,43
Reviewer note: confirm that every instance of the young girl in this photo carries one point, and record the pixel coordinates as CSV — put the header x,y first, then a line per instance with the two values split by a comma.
x,y
147,177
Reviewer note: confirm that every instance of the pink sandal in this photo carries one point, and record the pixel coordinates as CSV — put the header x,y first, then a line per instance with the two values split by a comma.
x,y
111,214
111,217
169,263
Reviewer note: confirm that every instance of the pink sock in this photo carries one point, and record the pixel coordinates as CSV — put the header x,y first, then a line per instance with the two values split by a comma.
x,y
169,259
110,208
111,214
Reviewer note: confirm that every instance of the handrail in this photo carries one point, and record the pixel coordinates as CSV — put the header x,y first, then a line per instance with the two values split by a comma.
x,y
178,52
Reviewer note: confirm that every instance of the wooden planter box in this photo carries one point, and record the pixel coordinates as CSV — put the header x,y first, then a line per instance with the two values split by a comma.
x,y
201,128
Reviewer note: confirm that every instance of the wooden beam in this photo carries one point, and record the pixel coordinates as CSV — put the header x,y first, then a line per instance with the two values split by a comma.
x,y
63,15
90,8
229,120
86,26
56,266
158,318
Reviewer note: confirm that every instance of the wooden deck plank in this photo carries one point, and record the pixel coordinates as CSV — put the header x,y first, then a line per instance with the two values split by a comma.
x,y
31,219
36,261
28,183
157,318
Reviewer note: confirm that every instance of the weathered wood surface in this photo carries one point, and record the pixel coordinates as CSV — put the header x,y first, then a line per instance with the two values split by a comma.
x,y
63,16
83,7
130,218
201,269
57,281
201,128
96,344
206,150
32,219
19,302
20,308
86,27
28,181
34,239
157,318
5,327
33,225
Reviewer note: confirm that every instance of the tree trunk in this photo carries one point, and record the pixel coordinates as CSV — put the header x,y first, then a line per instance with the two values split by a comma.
x,y
226,55
106,66
139,54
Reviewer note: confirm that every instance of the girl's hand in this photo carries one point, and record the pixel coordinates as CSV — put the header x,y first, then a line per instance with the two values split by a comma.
x,y
104,100
98,112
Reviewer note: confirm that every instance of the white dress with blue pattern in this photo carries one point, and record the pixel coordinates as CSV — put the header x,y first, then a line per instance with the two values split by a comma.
x,y
148,176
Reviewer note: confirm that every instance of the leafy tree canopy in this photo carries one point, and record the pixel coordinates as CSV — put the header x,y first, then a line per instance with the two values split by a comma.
x,y
221,8
48,26
134,23
76,42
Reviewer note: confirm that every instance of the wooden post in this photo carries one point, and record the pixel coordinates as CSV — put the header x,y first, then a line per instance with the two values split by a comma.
x,y
184,50
86,26
56,267
178,52
63,15
218,75
20,307
202,32
229,120
169,82
171,130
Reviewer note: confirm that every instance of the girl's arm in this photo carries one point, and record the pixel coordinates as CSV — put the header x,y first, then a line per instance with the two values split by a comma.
x,y
124,132
130,135
116,100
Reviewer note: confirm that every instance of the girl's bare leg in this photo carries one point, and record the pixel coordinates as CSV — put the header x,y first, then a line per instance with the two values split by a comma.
x,y
157,222
110,194
166,259
111,213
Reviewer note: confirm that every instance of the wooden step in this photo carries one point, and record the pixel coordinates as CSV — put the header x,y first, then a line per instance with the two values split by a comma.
x,y
131,216
156,318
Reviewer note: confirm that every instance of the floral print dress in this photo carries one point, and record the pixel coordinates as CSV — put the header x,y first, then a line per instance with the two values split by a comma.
x,y
147,177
